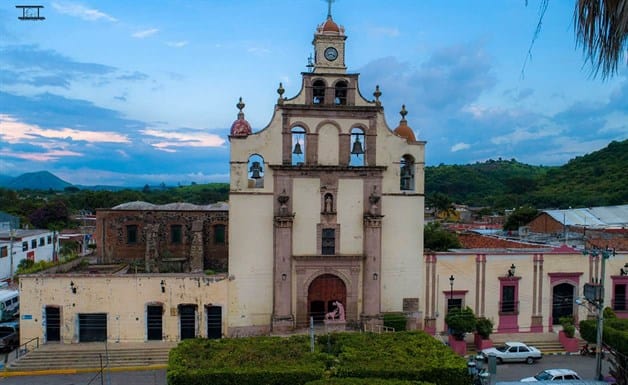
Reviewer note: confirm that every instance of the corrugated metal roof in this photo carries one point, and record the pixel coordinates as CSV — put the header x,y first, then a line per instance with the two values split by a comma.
x,y
176,206
608,216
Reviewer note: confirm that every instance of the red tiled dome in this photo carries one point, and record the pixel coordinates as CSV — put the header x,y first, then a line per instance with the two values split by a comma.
x,y
330,26
403,130
241,126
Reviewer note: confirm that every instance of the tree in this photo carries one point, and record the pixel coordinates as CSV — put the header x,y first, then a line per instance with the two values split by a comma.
x,y
520,217
601,28
442,204
460,321
436,238
602,31
55,212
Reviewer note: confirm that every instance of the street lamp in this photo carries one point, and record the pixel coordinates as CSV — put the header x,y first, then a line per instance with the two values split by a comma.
x,y
599,303
451,290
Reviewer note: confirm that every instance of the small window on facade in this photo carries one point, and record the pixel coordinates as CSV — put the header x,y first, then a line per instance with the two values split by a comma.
x,y
131,234
318,92
42,241
406,174
256,171
176,234
219,234
508,299
33,243
24,246
453,303
328,244
49,239
357,147
4,251
298,145
619,297
341,93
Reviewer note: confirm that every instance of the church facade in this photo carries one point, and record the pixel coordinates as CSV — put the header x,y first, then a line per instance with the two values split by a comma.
x,y
325,205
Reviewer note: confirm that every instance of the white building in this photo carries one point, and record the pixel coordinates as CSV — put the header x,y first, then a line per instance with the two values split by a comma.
x,y
16,245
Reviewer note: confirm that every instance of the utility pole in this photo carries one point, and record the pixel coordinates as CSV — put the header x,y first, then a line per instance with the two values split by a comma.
x,y
604,254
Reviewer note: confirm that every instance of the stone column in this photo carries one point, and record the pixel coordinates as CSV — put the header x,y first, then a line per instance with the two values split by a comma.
x,y
283,318
371,287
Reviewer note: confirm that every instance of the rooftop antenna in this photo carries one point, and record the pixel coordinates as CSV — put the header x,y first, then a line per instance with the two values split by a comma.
x,y
30,12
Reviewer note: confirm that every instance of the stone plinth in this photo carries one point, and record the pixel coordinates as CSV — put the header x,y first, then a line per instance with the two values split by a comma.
x,y
335,325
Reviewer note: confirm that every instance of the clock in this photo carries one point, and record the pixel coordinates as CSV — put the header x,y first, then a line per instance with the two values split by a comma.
x,y
331,53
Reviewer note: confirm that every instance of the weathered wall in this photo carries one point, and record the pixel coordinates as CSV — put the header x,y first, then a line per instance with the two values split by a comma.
x,y
154,238
123,298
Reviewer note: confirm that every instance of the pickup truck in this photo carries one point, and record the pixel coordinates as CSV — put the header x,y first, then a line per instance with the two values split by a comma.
x,y
9,335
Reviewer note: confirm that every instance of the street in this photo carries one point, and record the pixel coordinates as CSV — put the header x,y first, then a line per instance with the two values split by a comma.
x,y
585,366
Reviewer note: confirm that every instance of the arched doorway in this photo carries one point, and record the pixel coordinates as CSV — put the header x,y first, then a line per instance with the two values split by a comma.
x,y
323,291
562,302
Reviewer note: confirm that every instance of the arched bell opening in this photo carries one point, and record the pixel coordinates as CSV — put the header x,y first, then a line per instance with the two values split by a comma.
x,y
298,145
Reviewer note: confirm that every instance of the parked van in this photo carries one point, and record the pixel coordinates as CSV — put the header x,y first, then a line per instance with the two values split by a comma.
x,y
9,304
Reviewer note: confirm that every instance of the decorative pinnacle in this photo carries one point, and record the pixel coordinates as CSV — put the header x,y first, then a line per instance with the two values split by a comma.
x,y
240,106
280,91
377,94
403,112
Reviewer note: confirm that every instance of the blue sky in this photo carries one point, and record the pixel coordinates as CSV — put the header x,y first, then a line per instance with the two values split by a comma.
x,y
135,92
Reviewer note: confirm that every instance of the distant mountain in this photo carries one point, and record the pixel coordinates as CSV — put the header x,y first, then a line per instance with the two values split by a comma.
x,y
41,180
4,180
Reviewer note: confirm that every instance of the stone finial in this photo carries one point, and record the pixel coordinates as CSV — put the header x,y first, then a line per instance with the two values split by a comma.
x,y
403,113
377,94
280,91
240,107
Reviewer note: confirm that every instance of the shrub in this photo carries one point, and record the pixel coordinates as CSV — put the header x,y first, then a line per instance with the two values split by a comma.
x,y
396,321
461,321
568,326
484,327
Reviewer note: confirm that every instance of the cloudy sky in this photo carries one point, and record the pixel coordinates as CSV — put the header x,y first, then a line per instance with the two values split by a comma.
x,y
133,92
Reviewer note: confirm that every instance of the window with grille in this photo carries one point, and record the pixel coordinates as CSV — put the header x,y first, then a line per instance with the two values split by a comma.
x,y
176,234
131,234
508,299
219,234
328,244
619,300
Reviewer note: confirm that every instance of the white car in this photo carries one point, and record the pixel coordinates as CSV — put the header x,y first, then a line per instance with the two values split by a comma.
x,y
553,375
512,352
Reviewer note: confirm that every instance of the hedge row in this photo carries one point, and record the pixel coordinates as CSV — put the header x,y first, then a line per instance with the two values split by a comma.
x,y
404,356
615,333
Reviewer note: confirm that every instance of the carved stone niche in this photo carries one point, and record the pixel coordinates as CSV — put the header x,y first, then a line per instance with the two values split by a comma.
x,y
283,199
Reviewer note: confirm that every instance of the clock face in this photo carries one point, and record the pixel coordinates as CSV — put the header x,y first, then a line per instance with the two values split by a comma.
x,y
331,54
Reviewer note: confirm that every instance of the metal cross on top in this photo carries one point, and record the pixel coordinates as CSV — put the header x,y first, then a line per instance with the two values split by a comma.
x,y
329,7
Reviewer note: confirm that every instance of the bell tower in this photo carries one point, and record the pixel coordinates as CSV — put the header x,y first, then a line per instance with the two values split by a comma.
x,y
329,46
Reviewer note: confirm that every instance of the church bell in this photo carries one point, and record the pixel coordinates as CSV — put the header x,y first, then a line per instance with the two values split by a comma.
x,y
357,146
255,170
297,149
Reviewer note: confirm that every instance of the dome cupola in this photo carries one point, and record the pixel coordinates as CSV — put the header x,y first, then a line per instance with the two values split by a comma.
x,y
403,130
240,126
